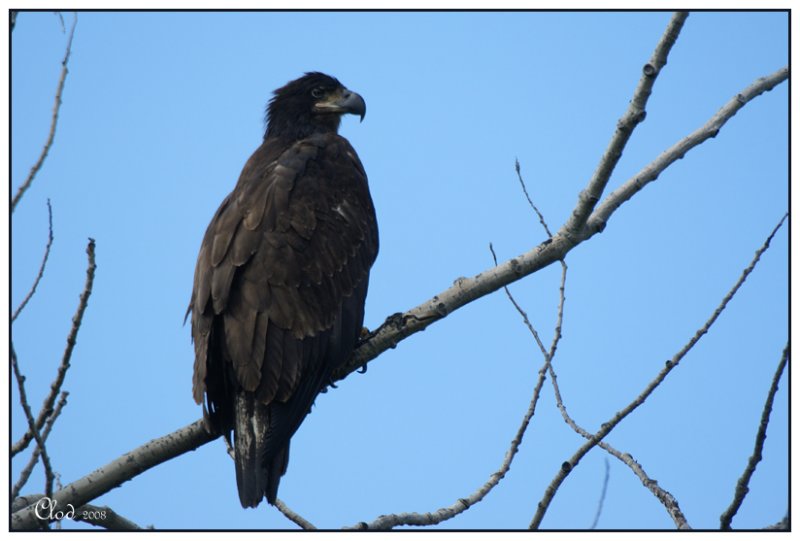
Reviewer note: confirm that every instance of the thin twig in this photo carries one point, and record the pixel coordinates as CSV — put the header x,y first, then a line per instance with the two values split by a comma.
x,y
607,427
55,386
53,122
48,426
42,266
23,399
603,492
61,21
530,201
559,314
635,114
742,485
293,516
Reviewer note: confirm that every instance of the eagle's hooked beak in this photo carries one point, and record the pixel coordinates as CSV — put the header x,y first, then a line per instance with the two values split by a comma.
x,y
345,101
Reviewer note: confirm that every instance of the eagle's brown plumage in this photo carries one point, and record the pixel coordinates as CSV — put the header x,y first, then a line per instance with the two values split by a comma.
x,y
281,279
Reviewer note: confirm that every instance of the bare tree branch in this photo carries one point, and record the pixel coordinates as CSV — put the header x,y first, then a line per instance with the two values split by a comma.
x,y
530,201
742,485
294,517
53,122
627,123
61,21
607,427
55,386
42,266
599,218
603,492
48,426
32,428
116,472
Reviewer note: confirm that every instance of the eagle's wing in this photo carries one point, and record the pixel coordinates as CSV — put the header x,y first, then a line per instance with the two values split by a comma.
x,y
280,281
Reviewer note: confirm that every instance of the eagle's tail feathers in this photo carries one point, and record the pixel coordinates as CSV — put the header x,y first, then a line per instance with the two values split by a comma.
x,y
250,430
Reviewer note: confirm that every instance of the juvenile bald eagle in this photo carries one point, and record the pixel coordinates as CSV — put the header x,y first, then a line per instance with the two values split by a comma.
x,y
281,279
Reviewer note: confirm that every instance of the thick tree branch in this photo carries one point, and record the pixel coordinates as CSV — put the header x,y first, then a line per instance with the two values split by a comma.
x,y
116,472
608,426
53,122
635,114
55,386
742,485
41,267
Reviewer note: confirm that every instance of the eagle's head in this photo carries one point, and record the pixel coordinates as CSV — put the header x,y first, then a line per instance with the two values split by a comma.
x,y
313,103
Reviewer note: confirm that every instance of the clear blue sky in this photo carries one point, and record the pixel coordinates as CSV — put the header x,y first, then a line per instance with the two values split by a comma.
x,y
160,112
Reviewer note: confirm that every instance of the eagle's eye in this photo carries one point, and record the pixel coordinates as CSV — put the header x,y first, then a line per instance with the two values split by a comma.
x,y
318,92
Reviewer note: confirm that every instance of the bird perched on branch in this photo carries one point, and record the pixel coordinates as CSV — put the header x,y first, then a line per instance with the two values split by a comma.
x,y
281,280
